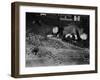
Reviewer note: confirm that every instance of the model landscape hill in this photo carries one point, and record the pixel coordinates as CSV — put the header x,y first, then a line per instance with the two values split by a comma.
x,y
53,51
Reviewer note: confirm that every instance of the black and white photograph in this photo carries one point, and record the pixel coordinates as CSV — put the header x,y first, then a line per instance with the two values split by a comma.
x,y
53,39
57,39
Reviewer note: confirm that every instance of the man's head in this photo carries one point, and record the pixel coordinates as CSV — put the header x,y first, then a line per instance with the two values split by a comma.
x,y
55,29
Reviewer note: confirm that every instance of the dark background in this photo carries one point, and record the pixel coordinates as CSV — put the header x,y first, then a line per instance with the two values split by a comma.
x,y
42,23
